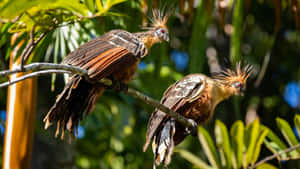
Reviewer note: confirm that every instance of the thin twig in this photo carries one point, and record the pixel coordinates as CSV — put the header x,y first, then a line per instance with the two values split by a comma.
x,y
31,45
186,122
2,122
262,70
30,75
60,68
27,48
44,66
274,156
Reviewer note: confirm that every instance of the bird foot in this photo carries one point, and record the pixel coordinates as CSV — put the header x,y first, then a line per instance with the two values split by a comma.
x,y
118,86
193,129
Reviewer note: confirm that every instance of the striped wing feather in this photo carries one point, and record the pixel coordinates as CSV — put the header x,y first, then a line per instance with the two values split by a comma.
x,y
175,97
105,55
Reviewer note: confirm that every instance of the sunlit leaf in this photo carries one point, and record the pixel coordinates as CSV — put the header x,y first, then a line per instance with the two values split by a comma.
x,y
99,5
237,142
223,143
275,144
251,135
90,4
110,3
13,8
287,132
262,135
196,161
209,147
266,166
297,122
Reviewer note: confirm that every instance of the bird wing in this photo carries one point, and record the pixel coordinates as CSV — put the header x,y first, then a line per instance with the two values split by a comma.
x,y
107,54
177,95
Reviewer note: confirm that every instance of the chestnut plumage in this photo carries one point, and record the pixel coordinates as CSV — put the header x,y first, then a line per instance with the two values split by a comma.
x,y
195,97
114,55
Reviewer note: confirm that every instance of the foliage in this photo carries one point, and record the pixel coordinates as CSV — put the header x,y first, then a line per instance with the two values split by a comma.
x,y
113,135
242,146
237,149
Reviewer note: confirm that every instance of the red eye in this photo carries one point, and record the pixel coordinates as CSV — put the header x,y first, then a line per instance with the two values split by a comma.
x,y
162,31
240,84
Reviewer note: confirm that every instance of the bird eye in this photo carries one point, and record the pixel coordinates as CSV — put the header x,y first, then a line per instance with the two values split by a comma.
x,y
238,84
162,31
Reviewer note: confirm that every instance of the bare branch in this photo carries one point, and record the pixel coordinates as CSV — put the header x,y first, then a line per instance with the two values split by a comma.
x,y
45,66
30,75
263,70
274,156
181,119
31,45
49,68
27,48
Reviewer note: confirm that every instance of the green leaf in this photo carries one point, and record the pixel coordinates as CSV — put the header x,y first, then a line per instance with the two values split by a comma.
x,y
237,142
209,147
236,37
223,143
99,5
90,5
197,162
287,133
297,122
13,8
251,135
262,135
275,144
74,6
198,41
266,166
110,3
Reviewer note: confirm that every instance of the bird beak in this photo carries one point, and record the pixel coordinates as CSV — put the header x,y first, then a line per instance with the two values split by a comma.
x,y
241,91
166,38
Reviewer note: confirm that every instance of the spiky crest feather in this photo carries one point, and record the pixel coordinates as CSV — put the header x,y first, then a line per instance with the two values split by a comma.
x,y
228,77
159,19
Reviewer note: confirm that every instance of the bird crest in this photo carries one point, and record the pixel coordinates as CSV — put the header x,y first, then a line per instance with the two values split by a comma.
x,y
159,19
240,74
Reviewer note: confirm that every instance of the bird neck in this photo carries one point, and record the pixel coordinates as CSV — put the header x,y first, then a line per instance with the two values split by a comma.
x,y
224,91
148,38
227,91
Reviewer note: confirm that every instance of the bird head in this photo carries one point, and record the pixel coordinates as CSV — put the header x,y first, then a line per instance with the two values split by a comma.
x,y
235,80
158,31
159,24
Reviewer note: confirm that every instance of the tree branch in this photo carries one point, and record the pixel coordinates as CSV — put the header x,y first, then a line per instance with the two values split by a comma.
x,y
45,66
50,68
186,122
31,45
274,156
30,75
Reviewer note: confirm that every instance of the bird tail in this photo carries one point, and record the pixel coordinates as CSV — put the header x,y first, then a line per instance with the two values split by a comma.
x,y
78,96
163,143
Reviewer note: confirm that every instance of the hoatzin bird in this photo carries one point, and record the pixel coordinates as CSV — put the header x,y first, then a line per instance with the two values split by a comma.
x,y
115,56
195,97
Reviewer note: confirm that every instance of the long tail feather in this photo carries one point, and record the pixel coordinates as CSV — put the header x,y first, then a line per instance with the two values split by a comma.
x,y
78,96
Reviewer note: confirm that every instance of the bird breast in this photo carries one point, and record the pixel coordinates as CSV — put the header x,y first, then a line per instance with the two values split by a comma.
x,y
201,109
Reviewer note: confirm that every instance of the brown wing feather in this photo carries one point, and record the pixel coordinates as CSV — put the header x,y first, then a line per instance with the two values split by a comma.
x,y
175,97
112,52
113,60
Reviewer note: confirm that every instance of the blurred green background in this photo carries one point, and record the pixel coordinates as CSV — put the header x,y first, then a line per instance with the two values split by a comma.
x,y
264,33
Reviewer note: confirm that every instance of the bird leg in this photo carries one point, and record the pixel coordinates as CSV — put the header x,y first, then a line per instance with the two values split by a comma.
x,y
118,86
192,129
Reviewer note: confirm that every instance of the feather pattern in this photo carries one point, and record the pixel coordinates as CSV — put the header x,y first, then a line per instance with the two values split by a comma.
x,y
195,97
115,55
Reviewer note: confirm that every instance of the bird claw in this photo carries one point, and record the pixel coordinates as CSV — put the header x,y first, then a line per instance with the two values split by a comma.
x,y
118,86
193,129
